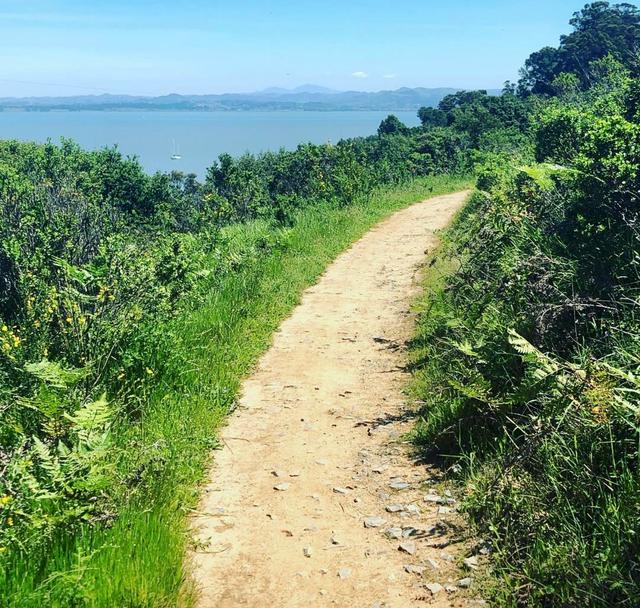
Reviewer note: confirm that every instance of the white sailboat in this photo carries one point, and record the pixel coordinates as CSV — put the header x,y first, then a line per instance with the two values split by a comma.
x,y
176,152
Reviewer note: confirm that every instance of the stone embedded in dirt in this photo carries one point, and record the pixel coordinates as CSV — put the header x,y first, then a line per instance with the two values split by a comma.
x,y
288,533
411,569
432,563
409,547
380,469
445,510
324,571
450,588
435,588
398,485
394,508
465,583
407,532
344,573
278,473
294,474
439,500
339,490
447,557
471,562
307,551
374,522
322,462
395,533
282,487
412,509
334,540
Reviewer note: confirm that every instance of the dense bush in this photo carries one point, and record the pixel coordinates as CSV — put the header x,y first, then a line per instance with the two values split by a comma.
x,y
527,359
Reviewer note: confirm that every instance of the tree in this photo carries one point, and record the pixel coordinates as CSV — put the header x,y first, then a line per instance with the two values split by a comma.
x,y
432,117
392,125
599,30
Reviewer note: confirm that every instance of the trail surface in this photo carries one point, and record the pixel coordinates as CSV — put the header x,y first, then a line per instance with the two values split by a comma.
x,y
313,455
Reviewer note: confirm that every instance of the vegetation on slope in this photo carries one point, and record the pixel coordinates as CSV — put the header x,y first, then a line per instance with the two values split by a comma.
x,y
527,354
130,308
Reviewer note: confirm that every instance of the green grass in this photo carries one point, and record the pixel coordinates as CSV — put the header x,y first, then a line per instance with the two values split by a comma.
x,y
545,457
139,560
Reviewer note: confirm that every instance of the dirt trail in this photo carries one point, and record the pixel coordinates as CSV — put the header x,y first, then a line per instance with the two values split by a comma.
x,y
321,419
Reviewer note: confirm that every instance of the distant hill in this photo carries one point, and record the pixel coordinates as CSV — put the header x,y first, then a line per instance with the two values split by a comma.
x,y
305,97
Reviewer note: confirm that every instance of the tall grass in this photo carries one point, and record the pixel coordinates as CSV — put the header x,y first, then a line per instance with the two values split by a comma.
x,y
137,560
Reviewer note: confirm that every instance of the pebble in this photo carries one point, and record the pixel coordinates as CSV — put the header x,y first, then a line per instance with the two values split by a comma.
x,y
335,540
433,564
439,500
380,469
407,532
394,533
339,490
409,547
279,473
450,588
465,583
307,551
411,569
445,510
282,487
294,474
374,522
344,573
471,562
435,588
413,509
398,485
395,508
322,463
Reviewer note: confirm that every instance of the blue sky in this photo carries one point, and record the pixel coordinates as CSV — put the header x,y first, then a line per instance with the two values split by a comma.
x,y
69,47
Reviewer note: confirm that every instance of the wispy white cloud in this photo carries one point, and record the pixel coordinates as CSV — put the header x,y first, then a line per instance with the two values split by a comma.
x,y
360,75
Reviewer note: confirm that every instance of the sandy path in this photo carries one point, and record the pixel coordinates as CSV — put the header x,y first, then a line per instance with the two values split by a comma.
x,y
308,414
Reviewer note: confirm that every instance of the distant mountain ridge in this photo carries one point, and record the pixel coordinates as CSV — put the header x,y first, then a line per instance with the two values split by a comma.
x,y
305,97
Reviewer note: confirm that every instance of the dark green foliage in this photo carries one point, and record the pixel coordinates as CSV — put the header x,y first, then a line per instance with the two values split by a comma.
x,y
600,29
392,125
527,358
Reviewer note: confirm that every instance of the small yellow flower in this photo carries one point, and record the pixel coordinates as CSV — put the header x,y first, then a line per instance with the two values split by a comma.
x,y
5,500
37,323
9,521
3,549
5,328
149,371
69,320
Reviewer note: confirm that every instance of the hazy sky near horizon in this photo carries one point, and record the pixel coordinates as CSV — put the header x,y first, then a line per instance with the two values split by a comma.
x,y
154,47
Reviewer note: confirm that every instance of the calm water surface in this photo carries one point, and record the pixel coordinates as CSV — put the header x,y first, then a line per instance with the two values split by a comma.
x,y
199,136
